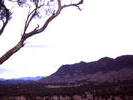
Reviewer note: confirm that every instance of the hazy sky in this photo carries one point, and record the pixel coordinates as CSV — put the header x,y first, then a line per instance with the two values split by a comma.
x,y
102,28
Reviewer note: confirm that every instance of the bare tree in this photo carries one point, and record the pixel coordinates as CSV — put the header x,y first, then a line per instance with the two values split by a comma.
x,y
46,10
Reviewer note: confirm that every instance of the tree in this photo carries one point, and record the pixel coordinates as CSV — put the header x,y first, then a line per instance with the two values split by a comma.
x,y
46,10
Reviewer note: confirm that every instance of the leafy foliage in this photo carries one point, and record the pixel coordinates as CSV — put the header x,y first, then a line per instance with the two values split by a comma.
x,y
3,12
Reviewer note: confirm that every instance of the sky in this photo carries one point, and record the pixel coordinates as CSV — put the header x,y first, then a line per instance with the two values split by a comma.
x,y
103,28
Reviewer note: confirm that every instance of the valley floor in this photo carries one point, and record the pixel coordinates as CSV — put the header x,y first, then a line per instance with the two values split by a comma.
x,y
76,91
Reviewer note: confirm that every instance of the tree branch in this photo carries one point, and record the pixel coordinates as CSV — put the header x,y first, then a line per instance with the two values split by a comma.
x,y
75,5
12,51
35,31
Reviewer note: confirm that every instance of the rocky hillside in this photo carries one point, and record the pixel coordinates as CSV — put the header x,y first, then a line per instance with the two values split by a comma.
x,y
104,70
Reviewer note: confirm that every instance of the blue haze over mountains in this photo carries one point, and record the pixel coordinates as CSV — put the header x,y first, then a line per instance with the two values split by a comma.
x,y
20,80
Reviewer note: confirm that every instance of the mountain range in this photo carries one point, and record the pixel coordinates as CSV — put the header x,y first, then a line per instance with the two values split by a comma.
x,y
20,80
29,78
104,70
25,78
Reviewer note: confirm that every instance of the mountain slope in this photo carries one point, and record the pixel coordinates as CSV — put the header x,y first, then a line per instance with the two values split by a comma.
x,y
104,70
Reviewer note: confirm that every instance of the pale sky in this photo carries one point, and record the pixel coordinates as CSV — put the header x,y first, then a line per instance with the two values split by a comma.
x,y
102,28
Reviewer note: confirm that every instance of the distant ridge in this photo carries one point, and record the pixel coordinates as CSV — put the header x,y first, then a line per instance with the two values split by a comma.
x,y
20,80
104,70
1,78
29,78
25,78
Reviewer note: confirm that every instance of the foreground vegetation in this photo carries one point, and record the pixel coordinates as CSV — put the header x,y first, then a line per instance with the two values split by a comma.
x,y
95,91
